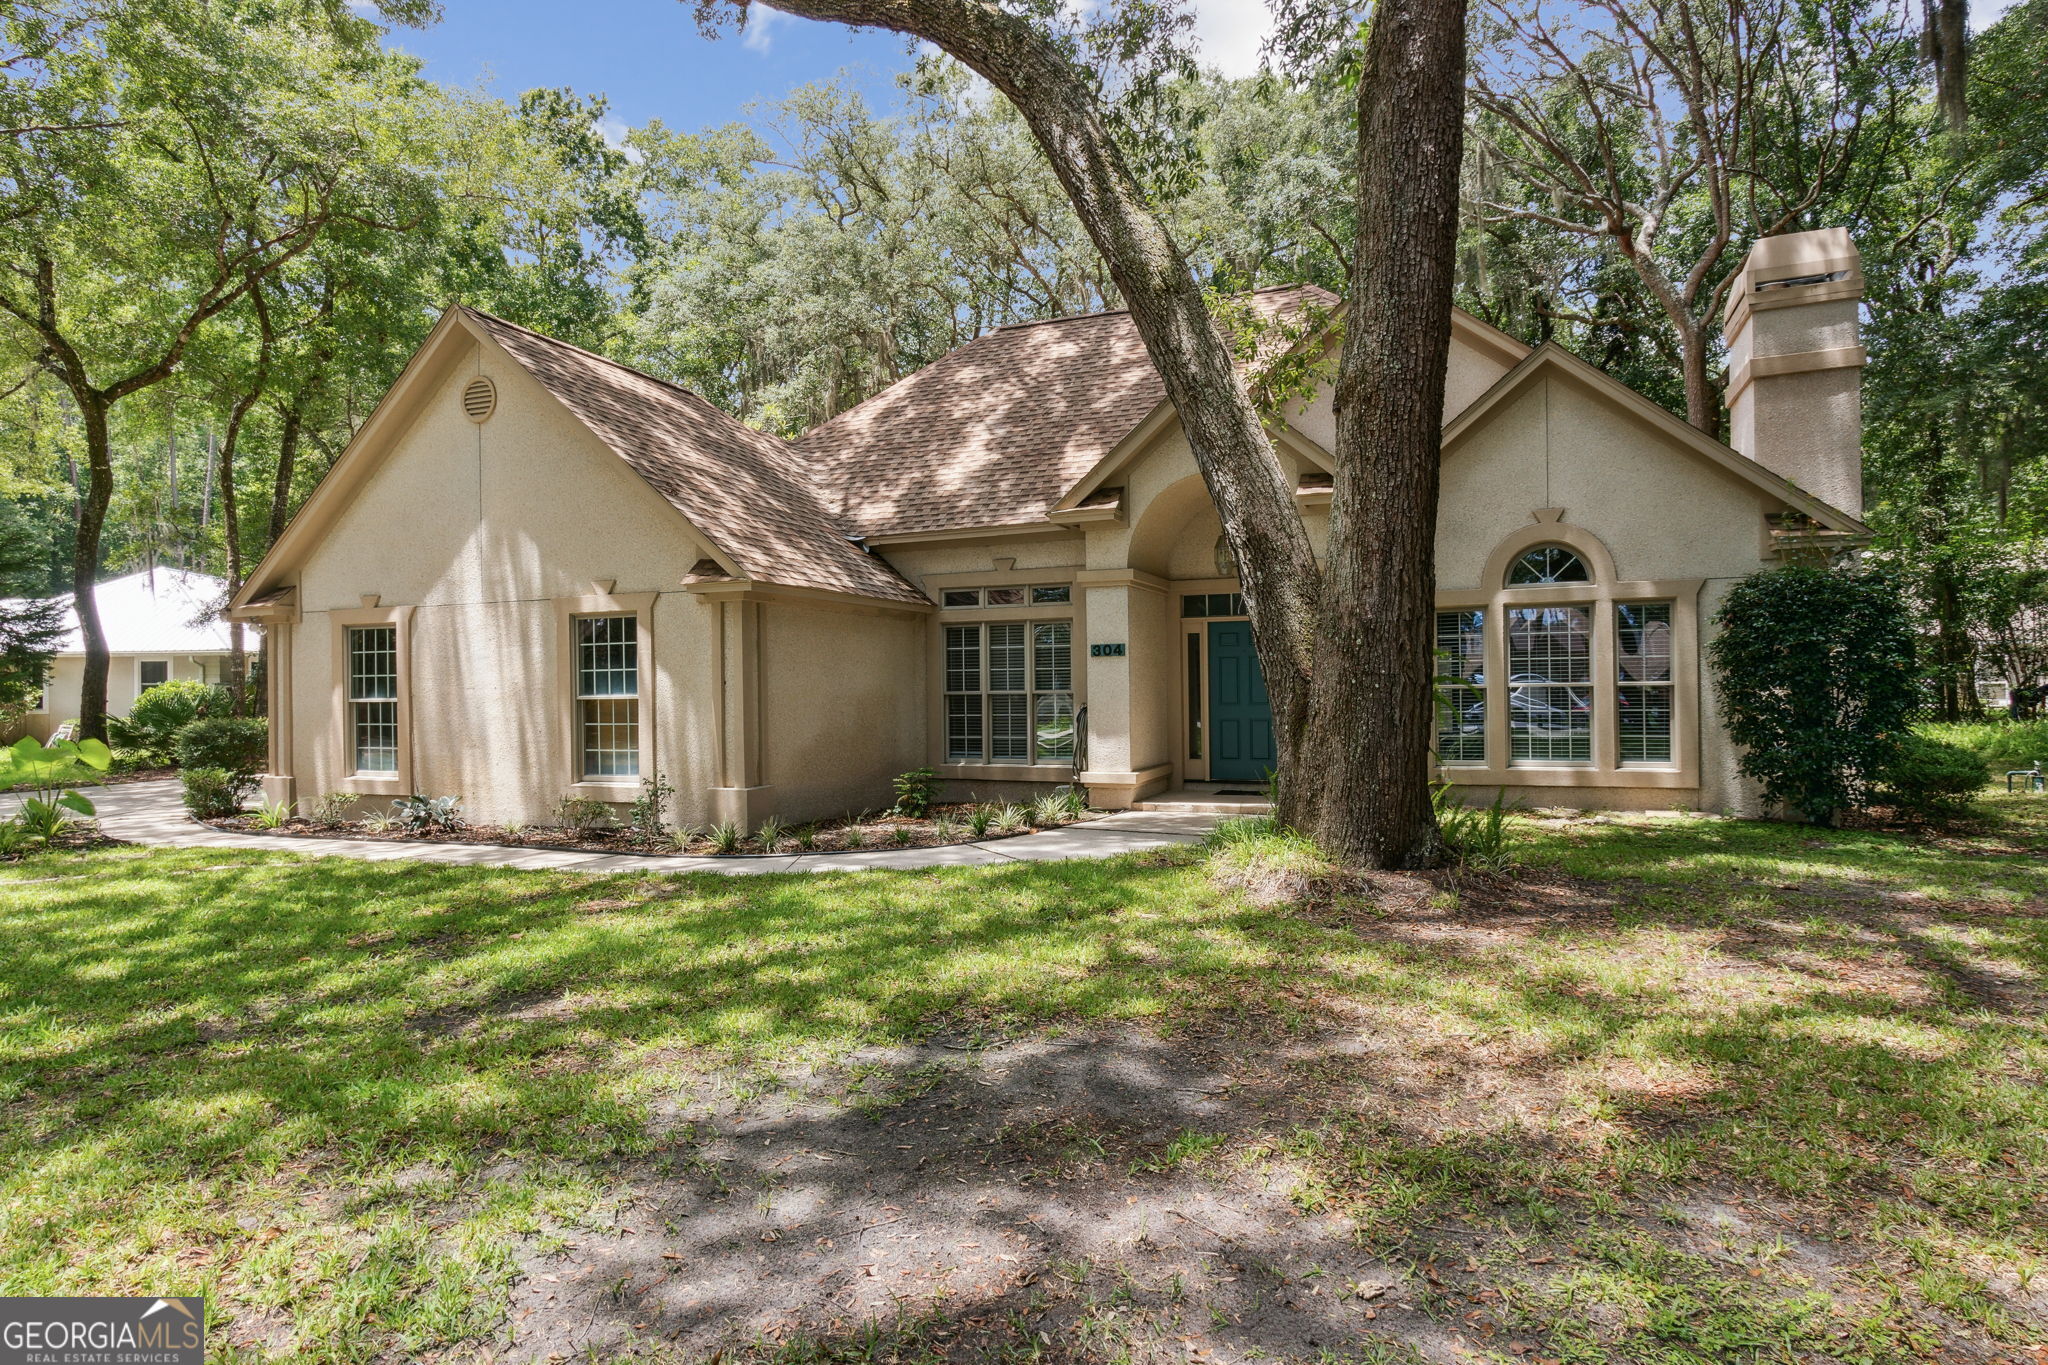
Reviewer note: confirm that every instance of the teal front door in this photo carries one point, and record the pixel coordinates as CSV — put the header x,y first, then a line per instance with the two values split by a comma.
x,y
1240,720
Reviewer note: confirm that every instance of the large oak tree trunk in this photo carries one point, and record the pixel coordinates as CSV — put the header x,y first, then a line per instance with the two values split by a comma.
x,y
1365,791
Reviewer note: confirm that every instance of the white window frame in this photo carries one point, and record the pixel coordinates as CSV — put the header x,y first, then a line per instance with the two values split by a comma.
x,y
140,685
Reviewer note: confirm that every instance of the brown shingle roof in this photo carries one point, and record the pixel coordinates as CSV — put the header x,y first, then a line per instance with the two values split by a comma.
x,y
741,488
995,432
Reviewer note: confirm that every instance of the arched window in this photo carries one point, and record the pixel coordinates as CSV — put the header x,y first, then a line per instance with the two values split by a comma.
x,y
1548,564
1554,671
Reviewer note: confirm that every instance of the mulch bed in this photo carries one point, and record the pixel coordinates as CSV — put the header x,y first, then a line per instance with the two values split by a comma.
x,y
862,833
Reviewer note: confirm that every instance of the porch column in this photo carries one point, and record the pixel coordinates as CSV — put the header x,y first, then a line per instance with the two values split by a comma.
x,y
741,796
1128,666
280,784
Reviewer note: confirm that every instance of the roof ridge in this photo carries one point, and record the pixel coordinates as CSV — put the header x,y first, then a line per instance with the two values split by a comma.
x,y
636,372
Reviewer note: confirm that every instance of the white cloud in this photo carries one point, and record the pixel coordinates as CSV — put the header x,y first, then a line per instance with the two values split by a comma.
x,y
1229,33
762,23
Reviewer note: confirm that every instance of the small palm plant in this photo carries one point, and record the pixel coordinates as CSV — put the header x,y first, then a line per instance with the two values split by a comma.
x,y
770,834
1010,818
273,814
726,836
854,836
902,836
1049,810
980,820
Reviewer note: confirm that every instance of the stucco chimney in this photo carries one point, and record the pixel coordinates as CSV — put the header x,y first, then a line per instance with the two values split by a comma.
x,y
1795,363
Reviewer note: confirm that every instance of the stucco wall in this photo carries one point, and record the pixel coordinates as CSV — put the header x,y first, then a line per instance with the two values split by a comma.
x,y
843,708
481,528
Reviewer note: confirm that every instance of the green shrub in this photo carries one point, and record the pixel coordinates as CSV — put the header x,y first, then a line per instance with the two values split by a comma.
x,y
153,723
1926,776
211,793
582,814
916,790
1815,672
240,744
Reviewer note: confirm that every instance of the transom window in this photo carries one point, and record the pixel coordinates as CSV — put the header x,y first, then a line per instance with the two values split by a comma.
x,y
608,696
1010,692
1212,604
1548,564
1045,594
373,698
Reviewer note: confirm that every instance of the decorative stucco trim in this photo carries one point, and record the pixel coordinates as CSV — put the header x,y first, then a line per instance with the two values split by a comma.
x,y
1121,578
753,590
639,606
399,783
1792,362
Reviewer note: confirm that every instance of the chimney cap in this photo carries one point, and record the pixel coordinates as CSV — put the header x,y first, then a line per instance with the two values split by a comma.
x,y
1794,268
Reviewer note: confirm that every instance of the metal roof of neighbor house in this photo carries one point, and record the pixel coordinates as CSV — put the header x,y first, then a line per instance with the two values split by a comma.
x,y
991,434
743,489
155,611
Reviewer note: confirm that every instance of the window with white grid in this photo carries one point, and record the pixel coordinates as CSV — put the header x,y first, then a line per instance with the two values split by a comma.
x,y
608,695
1550,684
373,698
1643,691
1009,692
1461,687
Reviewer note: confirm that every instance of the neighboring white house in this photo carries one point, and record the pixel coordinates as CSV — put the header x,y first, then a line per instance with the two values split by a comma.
x,y
160,624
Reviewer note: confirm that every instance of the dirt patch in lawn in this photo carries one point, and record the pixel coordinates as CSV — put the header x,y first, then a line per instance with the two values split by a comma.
x,y
1117,1195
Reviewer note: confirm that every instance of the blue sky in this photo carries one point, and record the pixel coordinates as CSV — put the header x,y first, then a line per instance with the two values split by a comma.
x,y
647,55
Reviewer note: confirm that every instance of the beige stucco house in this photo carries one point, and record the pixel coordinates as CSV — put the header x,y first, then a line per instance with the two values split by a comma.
x,y
160,623
537,573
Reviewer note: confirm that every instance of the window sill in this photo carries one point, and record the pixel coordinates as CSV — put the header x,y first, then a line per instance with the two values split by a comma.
x,y
380,784
1008,772
606,791
1561,775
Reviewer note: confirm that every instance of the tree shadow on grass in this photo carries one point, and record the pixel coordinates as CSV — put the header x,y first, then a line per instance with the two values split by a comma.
x,y
1396,1097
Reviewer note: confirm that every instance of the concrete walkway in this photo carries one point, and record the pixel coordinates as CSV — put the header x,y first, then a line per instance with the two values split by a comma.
x,y
151,813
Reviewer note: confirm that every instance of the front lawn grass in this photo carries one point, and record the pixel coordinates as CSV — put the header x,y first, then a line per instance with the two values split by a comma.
x,y
342,1099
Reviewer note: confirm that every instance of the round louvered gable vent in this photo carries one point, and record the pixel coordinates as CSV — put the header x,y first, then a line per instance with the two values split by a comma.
x,y
479,398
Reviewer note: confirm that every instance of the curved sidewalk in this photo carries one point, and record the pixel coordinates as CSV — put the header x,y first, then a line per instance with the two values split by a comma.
x,y
151,813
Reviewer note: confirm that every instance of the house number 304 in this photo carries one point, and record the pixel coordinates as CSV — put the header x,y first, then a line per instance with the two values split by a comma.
x,y
1106,651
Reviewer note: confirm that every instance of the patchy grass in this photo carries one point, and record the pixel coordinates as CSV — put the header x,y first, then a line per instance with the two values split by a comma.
x,y
1675,1090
